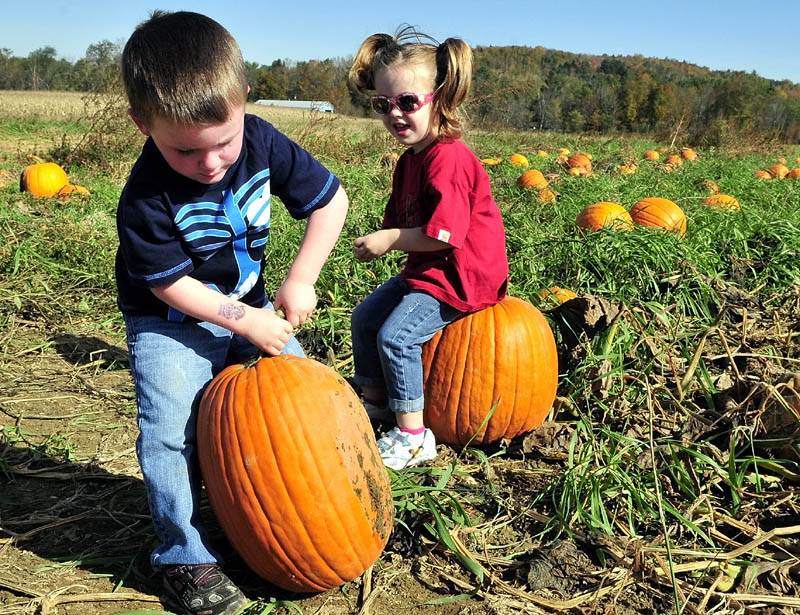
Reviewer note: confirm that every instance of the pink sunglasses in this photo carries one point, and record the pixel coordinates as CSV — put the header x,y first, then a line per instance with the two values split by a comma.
x,y
407,102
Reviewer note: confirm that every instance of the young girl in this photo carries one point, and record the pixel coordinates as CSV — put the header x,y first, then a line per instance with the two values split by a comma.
x,y
441,212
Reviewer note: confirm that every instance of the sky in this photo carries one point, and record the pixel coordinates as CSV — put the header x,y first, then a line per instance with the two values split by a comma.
x,y
732,35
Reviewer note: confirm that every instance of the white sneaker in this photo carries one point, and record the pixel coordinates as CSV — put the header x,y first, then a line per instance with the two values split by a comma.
x,y
377,412
400,449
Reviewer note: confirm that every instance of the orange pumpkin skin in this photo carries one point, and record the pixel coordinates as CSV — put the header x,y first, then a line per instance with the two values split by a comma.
x,y
604,215
658,212
581,161
651,155
674,160
778,171
293,473
689,154
43,179
503,355
556,294
518,160
723,201
547,196
532,178
760,174
793,174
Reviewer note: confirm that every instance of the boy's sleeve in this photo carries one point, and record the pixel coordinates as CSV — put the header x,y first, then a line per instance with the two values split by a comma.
x,y
301,182
152,254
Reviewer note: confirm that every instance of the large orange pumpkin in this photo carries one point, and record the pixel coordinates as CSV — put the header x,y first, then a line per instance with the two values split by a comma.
x,y
688,154
603,215
532,178
293,472
651,154
43,179
673,160
658,212
503,356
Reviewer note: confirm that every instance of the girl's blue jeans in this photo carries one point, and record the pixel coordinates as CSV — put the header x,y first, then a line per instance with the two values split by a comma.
x,y
388,328
172,363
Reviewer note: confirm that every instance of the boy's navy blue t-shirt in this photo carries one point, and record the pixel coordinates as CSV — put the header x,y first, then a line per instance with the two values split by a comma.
x,y
170,226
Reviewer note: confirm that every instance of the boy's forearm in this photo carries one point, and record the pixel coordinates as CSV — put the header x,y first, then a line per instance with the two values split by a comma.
x,y
322,232
195,299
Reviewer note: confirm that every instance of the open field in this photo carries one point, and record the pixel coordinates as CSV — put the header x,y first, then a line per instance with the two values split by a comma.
x,y
665,480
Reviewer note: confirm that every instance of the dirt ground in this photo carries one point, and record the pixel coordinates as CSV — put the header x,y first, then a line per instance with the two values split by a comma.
x,y
75,535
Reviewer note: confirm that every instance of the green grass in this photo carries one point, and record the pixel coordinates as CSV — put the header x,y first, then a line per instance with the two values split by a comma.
x,y
648,442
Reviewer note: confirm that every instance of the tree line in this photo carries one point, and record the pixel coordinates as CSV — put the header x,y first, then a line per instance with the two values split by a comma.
x,y
522,88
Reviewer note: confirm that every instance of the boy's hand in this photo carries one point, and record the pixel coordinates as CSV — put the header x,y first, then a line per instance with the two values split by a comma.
x,y
369,247
268,331
297,299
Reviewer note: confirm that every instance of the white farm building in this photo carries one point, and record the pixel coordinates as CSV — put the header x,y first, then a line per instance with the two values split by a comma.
x,y
308,105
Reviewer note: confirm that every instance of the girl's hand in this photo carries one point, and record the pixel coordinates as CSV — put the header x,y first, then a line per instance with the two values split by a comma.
x,y
372,246
268,331
297,299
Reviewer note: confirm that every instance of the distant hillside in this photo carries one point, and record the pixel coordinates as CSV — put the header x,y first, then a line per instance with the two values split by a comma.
x,y
534,87
524,88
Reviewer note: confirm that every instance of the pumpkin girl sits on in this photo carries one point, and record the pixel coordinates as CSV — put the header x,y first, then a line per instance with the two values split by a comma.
x,y
440,212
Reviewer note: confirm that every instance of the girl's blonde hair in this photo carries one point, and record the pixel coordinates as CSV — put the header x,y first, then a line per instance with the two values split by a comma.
x,y
450,62
183,67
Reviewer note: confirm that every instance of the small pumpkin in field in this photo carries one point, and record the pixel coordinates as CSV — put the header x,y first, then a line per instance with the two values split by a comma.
x,y
293,472
542,153
43,179
518,160
673,160
793,174
490,375
547,196
661,213
580,161
563,151
723,201
778,171
490,162
651,154
604,214
532,178
556,294
629,168
710,185
688,153
761,174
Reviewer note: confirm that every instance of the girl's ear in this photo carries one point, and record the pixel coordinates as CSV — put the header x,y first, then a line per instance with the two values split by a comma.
x,y
139,124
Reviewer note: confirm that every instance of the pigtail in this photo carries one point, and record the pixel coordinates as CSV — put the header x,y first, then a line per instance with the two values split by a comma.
x,y
453,80
362,72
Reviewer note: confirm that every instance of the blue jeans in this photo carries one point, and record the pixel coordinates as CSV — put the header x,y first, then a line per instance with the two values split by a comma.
x,y
388,329
172,363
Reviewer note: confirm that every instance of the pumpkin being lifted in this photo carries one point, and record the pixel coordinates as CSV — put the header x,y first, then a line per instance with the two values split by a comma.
x,y
490,375
293,472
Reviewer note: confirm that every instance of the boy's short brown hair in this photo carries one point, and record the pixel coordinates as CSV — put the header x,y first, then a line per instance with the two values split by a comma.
x,y
183,67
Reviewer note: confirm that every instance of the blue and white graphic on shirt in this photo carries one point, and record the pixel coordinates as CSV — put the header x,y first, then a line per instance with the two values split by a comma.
x,y
208,227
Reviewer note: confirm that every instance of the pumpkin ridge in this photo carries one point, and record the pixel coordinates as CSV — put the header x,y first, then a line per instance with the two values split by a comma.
x,y
275,504
505,376
319,481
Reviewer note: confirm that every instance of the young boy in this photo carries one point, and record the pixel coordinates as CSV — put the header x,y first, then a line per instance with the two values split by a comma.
x,y
193,221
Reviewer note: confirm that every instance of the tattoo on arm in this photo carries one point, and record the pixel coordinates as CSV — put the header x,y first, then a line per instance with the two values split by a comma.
x,y
231,310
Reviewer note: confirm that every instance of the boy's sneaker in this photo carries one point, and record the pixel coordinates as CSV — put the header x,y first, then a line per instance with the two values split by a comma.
x,y
377,412
203,589
400,449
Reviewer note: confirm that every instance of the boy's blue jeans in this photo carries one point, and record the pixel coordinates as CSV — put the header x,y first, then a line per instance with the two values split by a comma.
x,y
172,363
388,329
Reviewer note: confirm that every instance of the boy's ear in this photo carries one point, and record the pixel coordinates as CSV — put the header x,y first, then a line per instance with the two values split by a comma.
x,y
139,124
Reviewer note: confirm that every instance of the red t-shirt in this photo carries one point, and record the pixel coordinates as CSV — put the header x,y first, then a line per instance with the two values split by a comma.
x,y
445,190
